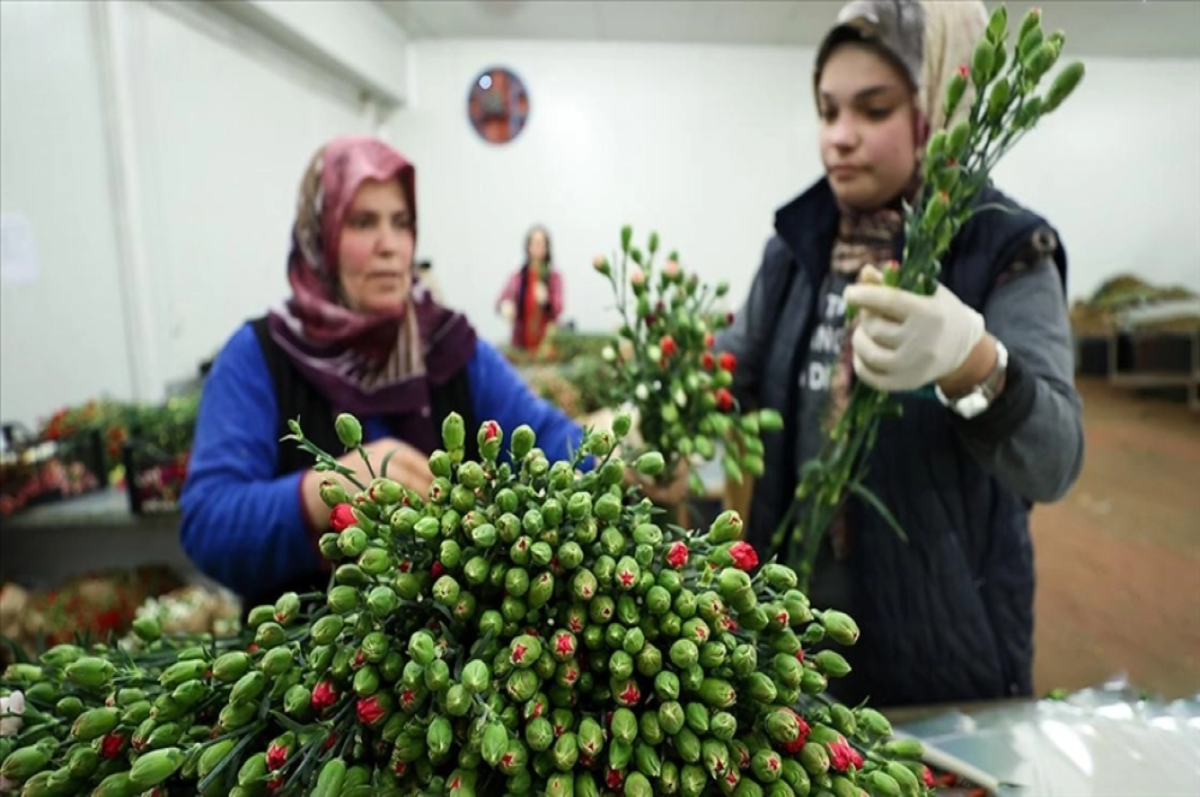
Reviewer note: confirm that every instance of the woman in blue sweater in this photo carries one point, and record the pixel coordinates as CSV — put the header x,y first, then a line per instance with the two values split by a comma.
x,y
358,335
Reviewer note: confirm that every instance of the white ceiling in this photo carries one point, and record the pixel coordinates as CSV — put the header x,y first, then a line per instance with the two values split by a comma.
x,y
1116,28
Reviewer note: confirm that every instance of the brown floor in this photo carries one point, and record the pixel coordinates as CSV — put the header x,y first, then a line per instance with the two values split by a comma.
x,y
1118,559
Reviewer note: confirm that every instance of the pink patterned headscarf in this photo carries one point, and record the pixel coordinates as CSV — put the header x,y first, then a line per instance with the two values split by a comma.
x,y
380,363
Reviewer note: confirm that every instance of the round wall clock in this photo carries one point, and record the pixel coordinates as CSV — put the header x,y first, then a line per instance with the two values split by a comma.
x,y
498,105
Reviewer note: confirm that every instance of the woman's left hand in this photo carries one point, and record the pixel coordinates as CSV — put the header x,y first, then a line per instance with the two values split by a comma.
x,y
671,493
905,341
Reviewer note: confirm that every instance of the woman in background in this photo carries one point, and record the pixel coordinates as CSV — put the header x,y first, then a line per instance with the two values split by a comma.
x,y
533,300
947,616
358,335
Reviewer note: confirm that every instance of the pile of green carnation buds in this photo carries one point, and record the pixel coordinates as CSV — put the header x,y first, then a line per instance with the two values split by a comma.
x,y
957,166
527,627
664,356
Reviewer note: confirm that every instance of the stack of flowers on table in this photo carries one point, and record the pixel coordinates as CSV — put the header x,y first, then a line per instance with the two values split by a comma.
x,y
525,628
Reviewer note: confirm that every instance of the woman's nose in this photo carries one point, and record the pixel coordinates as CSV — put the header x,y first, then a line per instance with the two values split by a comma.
x,y
844,133
389,239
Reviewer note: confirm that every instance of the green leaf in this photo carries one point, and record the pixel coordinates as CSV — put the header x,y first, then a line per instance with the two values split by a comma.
x,y
866,495
383,466
287,722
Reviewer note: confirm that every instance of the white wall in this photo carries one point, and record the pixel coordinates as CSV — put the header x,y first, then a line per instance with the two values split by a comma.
x,y
192,176
219,165
157,149
703,143
62,338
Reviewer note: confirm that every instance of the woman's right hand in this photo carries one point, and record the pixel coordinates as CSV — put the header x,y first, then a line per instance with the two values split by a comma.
x,y
408,465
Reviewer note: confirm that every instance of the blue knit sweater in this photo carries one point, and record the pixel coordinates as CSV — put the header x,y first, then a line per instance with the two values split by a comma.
x,y
244,527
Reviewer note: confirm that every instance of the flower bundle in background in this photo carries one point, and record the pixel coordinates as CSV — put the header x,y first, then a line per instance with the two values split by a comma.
x,y
958,164
522,629
667,371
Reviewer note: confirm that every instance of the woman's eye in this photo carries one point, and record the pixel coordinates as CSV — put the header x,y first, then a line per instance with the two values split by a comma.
x,y
829,114
878,114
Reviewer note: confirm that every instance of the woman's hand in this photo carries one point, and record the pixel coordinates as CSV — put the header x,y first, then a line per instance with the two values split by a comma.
x,y
408,465
905,341
671,493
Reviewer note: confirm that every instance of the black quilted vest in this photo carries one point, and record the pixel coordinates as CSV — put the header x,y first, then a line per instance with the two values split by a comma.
x,y
949,616
296,398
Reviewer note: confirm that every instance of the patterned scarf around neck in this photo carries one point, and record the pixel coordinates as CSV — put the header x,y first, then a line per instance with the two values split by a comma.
x,y
376,364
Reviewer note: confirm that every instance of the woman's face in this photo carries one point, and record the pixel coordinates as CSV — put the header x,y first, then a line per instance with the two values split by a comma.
x,y
538,247
375,254
868,130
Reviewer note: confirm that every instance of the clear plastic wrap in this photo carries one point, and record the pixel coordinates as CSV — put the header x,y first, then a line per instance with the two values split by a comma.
x,y
1106,741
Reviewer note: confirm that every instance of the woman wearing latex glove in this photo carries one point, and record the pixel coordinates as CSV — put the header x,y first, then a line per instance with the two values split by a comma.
x,y
904,341
983,370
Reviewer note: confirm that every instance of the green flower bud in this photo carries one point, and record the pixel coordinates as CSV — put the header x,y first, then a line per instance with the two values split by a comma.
x,y
230,666
352,542
998,99
814,758
421,648
813,682
475,676
445,591
607,507
70,707
179,672
648,764
454,433
840,627
522,442
404,520
982,62
89,672
115,785
842,718
1062,87
277,661
270,635
904,777
718,693
904,748
484,536
155,767
94,723
495,743
832,664
82,762
440,464
651,463
147,629
726,528
541,554
515,757
627,573
296,701
349,430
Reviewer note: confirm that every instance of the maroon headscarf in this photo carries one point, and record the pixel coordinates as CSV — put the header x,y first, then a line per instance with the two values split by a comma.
x,y
368,364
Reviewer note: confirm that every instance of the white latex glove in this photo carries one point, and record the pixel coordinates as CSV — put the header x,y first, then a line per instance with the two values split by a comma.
x,y
541,293
12,707
508,310
905,341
